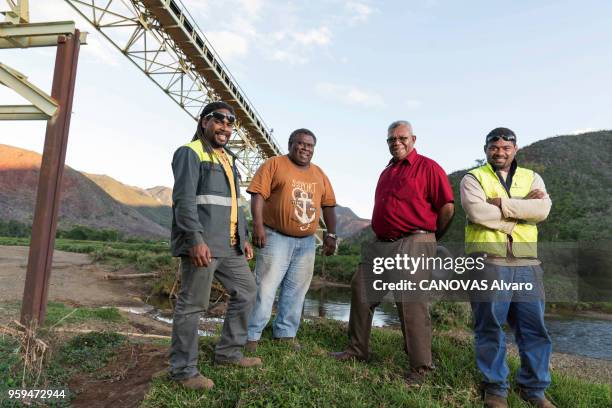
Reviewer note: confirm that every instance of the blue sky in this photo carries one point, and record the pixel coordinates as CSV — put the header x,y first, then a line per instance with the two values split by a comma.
x,y
346,69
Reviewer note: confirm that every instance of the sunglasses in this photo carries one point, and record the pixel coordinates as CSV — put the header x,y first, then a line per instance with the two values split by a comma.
x,y
220,116
402,139
507,138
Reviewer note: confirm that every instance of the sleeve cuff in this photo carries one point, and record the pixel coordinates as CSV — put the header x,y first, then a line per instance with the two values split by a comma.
x,y
194,239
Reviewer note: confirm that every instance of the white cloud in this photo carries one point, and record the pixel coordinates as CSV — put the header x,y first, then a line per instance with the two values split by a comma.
x,y
360,11
288,56
349,95
319,36
294,47
228,44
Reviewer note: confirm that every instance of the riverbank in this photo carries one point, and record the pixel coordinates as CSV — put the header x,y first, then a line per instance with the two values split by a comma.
x,y
121,367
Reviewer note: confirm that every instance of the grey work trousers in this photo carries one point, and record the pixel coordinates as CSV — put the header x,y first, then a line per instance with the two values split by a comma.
x,y
234,274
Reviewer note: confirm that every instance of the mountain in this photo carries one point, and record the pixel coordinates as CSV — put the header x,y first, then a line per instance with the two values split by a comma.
x,y
100,201
83,202
137,198
348,223
576,171
162,194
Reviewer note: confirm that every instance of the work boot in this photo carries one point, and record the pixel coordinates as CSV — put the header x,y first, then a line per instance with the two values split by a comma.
x,y
291,340
494,401
251,346
344,356
199,382
417,376
535,401
245,362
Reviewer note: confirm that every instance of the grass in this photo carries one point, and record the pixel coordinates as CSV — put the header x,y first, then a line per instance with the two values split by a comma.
x,y
82,354
145,257
311,379
295,379
59,313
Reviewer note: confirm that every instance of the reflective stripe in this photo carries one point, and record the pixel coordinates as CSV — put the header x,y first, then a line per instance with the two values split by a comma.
x,y
197,147
214,200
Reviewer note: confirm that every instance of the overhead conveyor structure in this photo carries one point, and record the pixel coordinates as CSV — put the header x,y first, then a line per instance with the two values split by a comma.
x,y
165,43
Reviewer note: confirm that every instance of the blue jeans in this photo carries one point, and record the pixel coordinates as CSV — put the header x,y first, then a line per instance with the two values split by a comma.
x,y
287,262
526,318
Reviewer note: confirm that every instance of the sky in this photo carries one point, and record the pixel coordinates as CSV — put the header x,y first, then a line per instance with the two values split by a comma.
x,y
344,69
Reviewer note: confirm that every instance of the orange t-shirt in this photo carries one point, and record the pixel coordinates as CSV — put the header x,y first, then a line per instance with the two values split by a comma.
x,y
293,196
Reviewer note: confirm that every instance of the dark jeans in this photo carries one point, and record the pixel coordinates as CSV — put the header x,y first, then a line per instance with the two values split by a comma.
x,y
526,318
234,274
413,313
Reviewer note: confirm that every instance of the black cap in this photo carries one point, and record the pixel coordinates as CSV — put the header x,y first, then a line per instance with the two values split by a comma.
x,y
501,132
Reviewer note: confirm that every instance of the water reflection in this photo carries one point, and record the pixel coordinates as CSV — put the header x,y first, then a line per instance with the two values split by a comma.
x,y
334,303
573,335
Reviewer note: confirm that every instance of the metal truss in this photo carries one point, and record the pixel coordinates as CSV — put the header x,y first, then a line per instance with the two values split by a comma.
x,y
163,41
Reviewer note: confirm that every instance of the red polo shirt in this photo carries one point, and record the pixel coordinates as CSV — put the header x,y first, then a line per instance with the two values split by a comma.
x,y
409,194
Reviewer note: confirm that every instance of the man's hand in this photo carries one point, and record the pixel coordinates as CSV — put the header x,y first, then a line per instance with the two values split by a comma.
x,y
248,251
329,245
200,255
259,236
495,201
535,194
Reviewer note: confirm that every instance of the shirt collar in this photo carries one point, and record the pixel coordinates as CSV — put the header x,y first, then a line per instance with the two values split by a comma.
x,y
410,158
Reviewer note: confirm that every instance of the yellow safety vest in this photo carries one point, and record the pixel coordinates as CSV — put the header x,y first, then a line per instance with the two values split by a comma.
x,y
480,239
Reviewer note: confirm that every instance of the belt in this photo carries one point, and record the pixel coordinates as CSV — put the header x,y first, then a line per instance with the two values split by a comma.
x,y
404,235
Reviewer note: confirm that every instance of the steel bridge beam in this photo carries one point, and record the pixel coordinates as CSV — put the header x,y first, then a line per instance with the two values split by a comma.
x,y
162,40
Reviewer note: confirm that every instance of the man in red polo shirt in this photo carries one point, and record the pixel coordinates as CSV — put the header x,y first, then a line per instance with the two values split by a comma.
x,y
413,207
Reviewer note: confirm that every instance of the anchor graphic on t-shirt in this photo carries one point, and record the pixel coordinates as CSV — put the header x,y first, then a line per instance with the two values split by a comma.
x,y
303,203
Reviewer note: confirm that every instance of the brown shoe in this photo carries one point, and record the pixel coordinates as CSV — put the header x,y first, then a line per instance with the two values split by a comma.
x,y
244,362
417,376
199,382
344,356
494,401
251,346
535,401
291,340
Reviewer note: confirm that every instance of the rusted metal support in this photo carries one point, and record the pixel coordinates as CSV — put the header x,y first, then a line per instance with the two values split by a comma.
x,y
40,259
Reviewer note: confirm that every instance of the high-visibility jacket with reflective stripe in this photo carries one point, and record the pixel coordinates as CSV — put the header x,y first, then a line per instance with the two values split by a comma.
x,y
202,202
480,239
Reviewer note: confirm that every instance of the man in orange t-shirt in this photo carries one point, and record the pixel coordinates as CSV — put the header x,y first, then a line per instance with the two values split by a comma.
x,y
288,193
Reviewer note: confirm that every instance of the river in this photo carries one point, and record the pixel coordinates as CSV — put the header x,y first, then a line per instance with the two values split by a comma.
x,y
572,335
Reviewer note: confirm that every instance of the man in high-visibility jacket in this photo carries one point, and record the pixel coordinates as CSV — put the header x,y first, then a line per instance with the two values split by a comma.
x,y
503,204
209,233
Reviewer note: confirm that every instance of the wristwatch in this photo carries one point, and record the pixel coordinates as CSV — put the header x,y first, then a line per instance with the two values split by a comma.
x,y
334,236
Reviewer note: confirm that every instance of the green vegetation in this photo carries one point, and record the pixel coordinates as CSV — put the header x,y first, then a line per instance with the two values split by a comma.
x,y
295,379
309,378
144,256
59,313
12,228
81,354
338,268
16,229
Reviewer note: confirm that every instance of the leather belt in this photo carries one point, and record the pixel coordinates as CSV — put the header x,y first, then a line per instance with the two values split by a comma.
x,y
404,235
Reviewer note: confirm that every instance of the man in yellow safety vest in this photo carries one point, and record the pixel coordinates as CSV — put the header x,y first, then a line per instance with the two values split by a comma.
x,y
503,203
